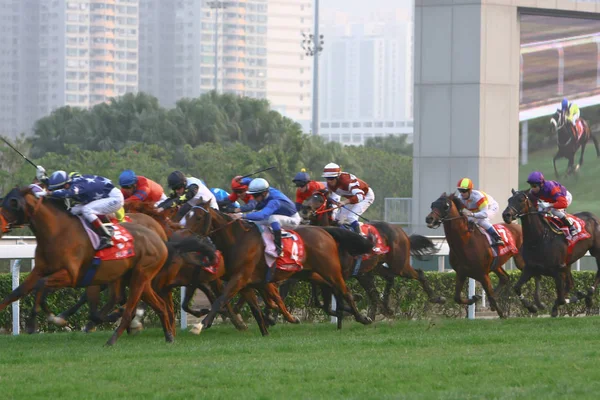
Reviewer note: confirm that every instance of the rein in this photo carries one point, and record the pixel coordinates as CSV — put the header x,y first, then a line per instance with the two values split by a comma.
x,y
225,225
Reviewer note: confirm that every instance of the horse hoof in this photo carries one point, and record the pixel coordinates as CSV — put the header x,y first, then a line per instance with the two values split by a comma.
x,y
439,300
136,330
366,321
136,324
475,299
197,329
169,338
58,321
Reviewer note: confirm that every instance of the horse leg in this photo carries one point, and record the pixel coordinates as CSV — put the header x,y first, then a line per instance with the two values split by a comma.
x,y
272,292
595,144
526,275
592,289
560,292
581,156
22,290
151,298
503,281
367,281
341,291
252,300
236,319
536,295
139,284
489,291
556,157
459,284
62,318
419,275
32,324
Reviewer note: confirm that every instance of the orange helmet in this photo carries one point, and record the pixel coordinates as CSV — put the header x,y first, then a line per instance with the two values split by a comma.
x,y
240,184
465,183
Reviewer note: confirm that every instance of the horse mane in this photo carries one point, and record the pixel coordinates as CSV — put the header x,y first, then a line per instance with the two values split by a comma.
x,y
459,205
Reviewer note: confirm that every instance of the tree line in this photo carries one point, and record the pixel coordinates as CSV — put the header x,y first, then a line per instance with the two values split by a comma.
x,y
212,137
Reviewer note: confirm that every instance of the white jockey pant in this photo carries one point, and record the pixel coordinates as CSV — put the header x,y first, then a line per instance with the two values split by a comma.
x,y
162,198
286,222
105,206
348,213
561,213
485,223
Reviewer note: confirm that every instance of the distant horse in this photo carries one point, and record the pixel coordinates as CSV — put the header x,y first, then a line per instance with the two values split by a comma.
x,y
569,141
64,255
242,246
470,252
390,265
545,251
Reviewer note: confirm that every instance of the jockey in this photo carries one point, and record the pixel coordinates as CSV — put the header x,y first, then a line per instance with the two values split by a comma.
x,y
358,196
139,188
551,192
305,187
188,192
239,187
223,198
273,208
570,110
479,208
95,195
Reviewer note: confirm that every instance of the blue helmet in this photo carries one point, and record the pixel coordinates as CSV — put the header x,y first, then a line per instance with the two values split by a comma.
x,y
58,179
220,194
564,104
301,177
127,178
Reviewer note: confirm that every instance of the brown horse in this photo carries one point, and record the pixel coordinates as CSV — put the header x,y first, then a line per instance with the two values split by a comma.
x,y
569,141
91,294
546,252
64,254
242,246
470,252
390,265
189,275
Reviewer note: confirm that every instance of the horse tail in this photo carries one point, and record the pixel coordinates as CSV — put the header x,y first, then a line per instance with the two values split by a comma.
x,y
350,242
421,246
191,244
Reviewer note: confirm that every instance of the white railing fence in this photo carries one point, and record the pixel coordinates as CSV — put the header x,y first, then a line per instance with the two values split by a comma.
x,y
19,249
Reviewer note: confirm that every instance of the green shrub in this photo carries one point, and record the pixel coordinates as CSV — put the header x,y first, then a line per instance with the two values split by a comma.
x,y
408,300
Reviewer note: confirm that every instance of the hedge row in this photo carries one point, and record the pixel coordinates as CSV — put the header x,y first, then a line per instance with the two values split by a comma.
x,y
408,300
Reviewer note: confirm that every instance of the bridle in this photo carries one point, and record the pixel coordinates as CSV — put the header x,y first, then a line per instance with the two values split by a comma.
x,y
443,218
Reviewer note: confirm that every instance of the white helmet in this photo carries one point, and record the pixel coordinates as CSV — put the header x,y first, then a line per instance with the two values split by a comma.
x,y
257,186
331,170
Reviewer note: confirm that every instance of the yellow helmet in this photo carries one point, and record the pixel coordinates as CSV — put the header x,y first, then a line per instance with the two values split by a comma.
x,y
465,184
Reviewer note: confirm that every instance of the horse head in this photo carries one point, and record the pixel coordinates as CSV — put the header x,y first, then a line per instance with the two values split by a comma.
x,y
519,204
12,212
444,208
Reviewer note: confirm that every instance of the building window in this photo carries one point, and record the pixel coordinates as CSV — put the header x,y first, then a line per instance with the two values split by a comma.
x,y
356,124
335,124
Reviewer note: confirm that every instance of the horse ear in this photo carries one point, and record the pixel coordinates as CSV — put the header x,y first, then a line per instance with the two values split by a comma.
x,y
513,191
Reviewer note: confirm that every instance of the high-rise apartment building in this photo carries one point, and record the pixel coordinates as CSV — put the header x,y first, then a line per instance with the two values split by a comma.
x,y
67,52
257,43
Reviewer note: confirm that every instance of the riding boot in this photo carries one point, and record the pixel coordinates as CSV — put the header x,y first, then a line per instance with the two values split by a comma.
x,y
103,233
277,241
356,228
567,222
497,240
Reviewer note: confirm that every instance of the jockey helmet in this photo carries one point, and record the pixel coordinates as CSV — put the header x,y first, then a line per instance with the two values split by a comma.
x,y
565,104
74,174
220,194
127,178
301,178
465,184
176,180
258,185
58,179
535,177
240,184
331,170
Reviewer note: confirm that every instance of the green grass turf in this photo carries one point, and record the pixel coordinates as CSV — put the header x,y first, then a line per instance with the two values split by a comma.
x,y
585,188
539,358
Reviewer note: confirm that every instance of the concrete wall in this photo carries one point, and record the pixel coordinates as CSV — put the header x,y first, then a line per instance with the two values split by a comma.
x,y
466,96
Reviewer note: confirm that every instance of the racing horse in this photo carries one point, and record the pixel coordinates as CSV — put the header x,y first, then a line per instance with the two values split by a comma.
x,y
64,254
470,252
546,252
246,268
390,265
569,141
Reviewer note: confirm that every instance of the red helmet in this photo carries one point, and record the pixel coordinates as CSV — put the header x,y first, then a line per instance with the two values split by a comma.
x,y
239,184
